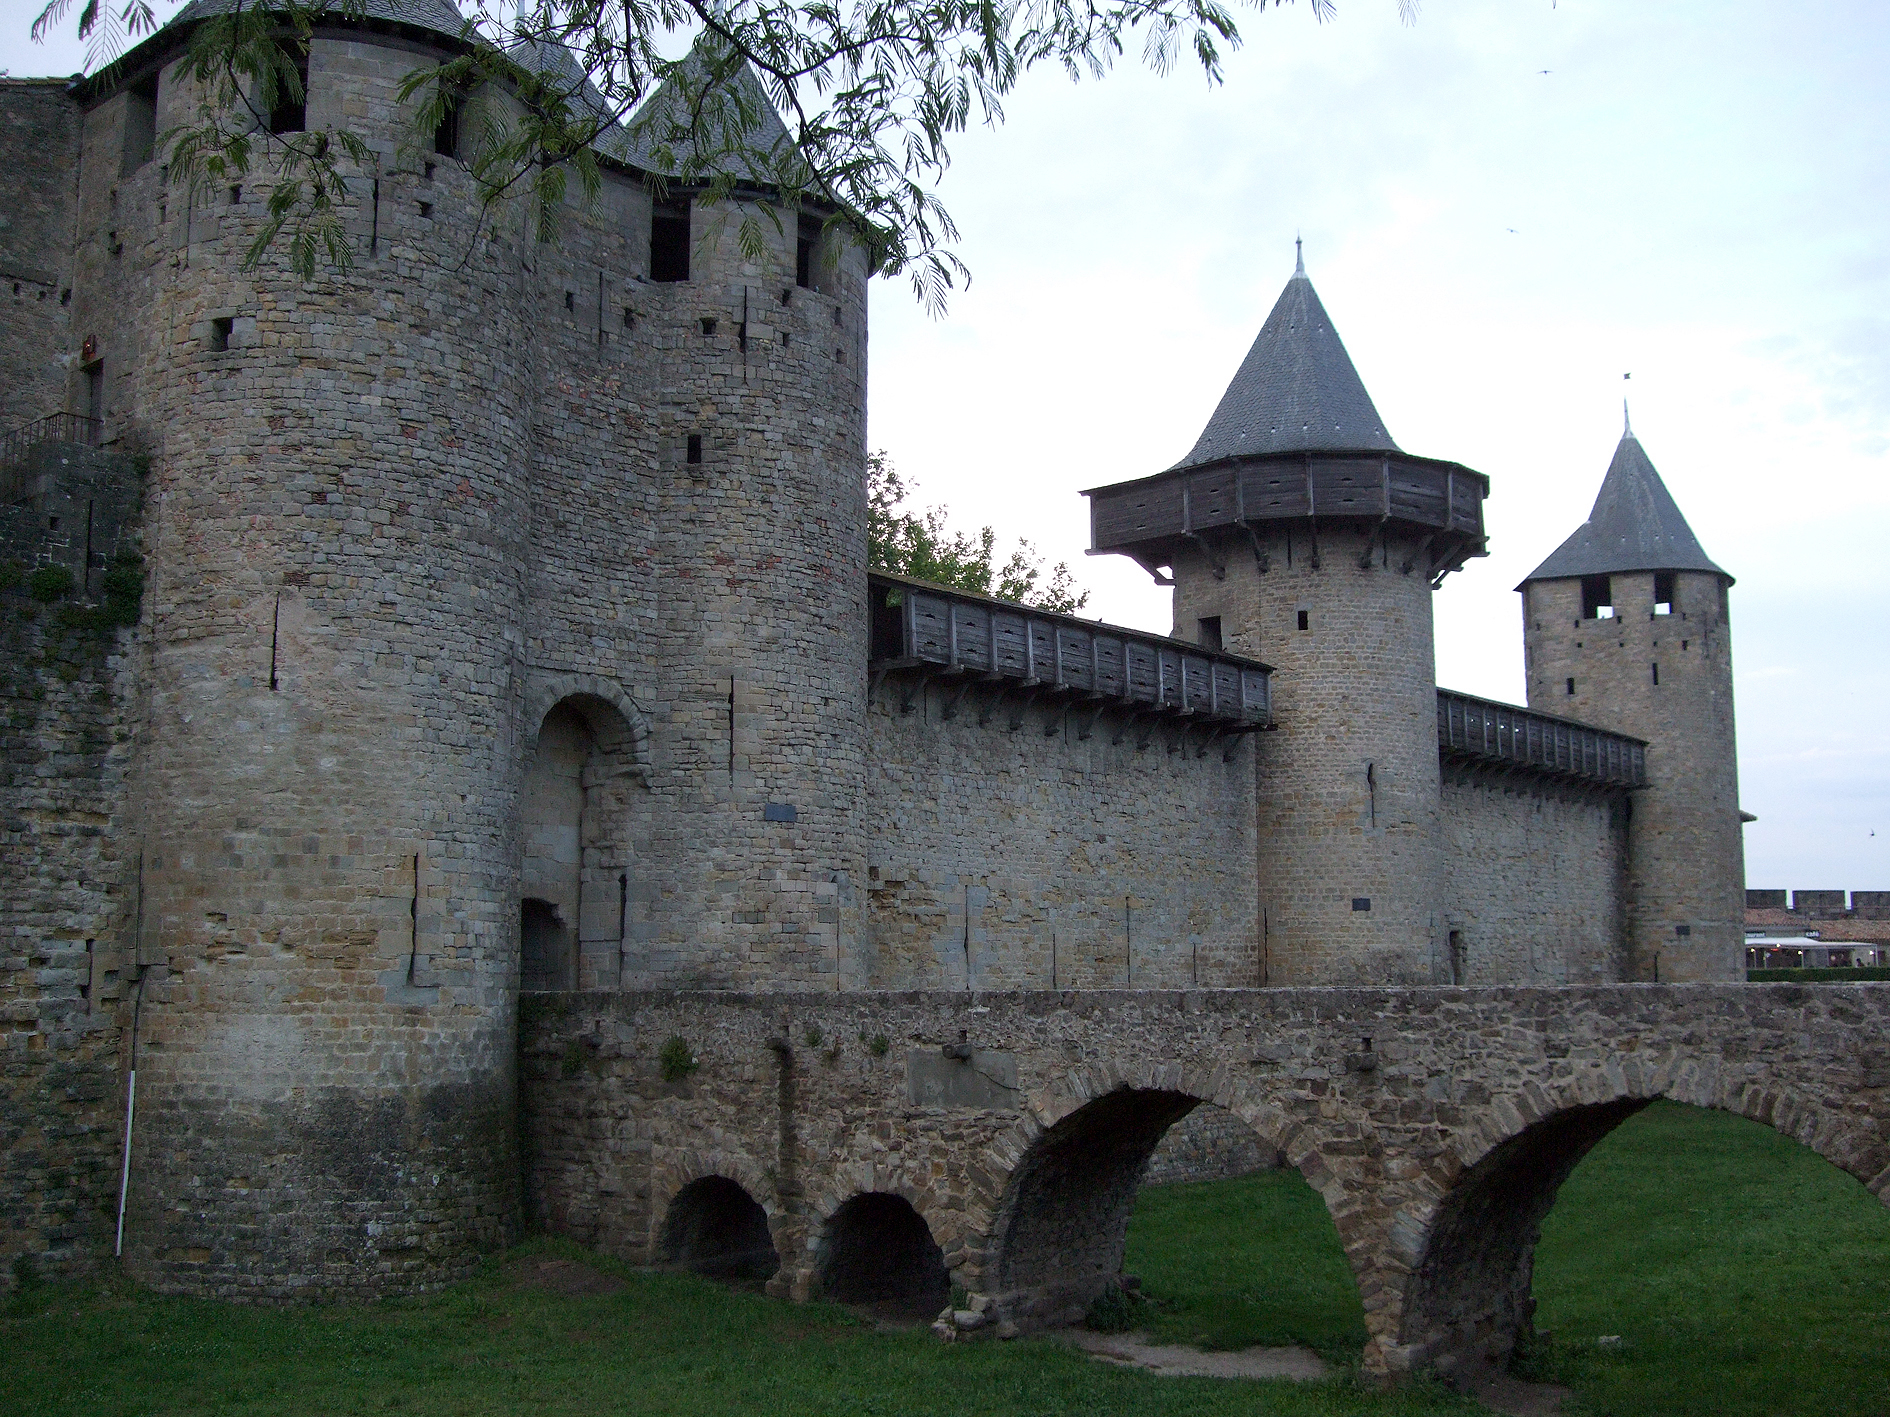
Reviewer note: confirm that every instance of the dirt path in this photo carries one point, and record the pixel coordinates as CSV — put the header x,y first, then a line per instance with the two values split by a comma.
x,y
1497,1391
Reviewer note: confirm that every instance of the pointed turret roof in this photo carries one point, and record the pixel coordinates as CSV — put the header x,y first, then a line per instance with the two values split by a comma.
x,y
1635,526
1296,391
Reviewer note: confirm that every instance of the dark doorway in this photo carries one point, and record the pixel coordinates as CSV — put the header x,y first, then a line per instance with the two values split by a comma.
x,y
545,946
878,1250
715,1228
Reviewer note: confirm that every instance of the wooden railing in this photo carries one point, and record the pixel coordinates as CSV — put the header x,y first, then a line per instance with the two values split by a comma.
x,y
1483,731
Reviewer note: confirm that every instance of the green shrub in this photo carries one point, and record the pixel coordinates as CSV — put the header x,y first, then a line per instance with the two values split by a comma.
x,y
122,589
1116,1310
879,1045
812,1036
1861,975
49,583
678,1062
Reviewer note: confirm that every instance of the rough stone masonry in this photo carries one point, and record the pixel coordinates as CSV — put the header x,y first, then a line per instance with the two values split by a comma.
x,y
505,647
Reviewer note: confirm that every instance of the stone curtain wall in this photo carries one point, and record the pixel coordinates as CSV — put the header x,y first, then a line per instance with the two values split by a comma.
x,y
1437,1147
70,704
39,139
1209,1144
1535,880
992,849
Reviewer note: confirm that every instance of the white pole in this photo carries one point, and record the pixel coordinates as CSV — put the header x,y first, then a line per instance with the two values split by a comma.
x,y
124,1175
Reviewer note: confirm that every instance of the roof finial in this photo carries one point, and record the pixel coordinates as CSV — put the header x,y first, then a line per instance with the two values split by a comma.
x,y
1627,424
1299,256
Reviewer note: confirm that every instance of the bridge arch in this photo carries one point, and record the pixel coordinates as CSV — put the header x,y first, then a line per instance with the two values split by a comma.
x,y
877,1248
1468,1254
1070,1170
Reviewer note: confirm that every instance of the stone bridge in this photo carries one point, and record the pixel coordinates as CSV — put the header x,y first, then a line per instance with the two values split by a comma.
x,y
887,1145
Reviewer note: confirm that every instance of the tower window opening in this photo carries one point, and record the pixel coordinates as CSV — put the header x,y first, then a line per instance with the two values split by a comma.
x,y
1597,598
1208,632
236,194
429,172
708,327
446,135
784,339
1656,669
220,331
629,318
289,113
1571,686
570,300
1683,645
426,209
669,241
140,123
1304,620
694,454
1664,592
95,390
806,243
787,297
836,315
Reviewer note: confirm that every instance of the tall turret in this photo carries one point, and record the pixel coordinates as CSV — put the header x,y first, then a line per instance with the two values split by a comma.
x,y
1298,532
1626,626
497,589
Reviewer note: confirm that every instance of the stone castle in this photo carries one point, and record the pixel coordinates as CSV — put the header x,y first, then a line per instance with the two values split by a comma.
x,y
506,633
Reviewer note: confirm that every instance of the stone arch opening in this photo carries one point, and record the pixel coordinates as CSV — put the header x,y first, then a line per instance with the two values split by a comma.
x,y
1065,1214
876,1249
576,830
1469,1298
715,1228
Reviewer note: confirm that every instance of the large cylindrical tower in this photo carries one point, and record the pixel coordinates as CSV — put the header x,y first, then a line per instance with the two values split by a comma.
x,y
335,527
1626,626
1297,532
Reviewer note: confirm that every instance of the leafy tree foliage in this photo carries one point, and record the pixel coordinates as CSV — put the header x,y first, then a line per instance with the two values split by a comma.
x,y
922,545
872,92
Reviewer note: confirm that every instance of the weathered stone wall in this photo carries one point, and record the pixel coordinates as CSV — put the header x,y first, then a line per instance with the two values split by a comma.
x,y
1349,850
1535,878
1436,1122
39,138
1041,856
1668,679
1209,1144
70,710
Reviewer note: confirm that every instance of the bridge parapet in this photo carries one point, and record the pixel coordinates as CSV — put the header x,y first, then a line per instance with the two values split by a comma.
x,y
1435,1122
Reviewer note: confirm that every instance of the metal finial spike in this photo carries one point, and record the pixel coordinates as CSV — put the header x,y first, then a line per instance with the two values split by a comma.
x,y
1627,424
1299,257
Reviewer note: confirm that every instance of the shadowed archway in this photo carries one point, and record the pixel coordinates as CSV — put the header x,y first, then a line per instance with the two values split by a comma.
x,y
876,1249
715,1228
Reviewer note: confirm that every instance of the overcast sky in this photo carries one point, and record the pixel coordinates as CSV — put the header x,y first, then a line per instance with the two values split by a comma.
x,y
1695,192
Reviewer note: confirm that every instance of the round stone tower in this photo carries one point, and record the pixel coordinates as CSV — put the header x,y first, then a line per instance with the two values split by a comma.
x,y
425,539
1296,531
1626,627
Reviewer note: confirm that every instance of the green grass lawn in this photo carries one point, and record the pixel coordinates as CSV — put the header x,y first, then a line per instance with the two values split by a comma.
x,y
1231,1264
1743,1275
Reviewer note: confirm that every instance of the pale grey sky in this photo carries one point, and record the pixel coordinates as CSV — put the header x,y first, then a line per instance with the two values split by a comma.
x,y
1697,192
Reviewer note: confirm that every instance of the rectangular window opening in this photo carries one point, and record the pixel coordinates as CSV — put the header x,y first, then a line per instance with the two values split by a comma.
x,y
1208,632
629,318
140,123
446,135
1571,686
95,390
289,113
570,300
426,209
784,339
669,240
708,325
1304,620
236,194
220,331
1656,669
1664,592
806,244
1597,598
695,448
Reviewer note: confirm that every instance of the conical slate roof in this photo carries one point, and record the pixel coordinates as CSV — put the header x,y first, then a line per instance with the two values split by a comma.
x,y
1635,526
1296,391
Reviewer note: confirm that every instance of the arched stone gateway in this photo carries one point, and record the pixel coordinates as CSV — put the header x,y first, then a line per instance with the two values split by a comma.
x,y
1436,1123
715,1228
876,1249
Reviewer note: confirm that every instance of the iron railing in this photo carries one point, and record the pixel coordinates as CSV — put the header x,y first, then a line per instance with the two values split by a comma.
x,y
53,428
